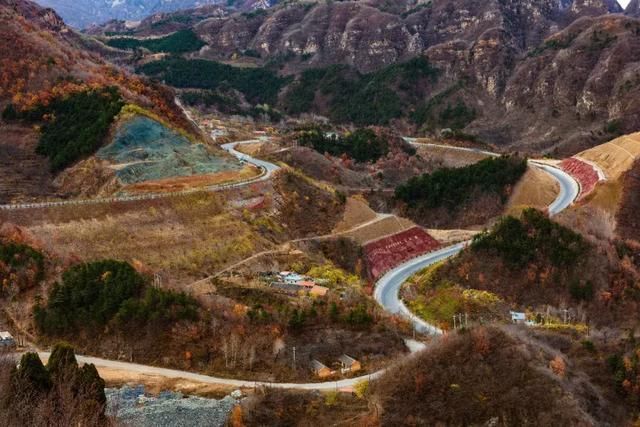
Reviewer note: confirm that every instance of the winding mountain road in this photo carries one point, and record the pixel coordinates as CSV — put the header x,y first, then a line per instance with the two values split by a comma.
x,y
386,290
266,171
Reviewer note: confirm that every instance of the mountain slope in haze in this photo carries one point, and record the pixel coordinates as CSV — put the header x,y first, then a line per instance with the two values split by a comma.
x,y
84,13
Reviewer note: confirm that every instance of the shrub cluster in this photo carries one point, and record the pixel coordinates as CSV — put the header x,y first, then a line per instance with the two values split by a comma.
x,y
20,265
451,187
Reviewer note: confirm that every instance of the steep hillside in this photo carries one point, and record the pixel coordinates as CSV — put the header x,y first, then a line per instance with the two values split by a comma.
x,y
492,67
48,59
460,197
476,377
529,262
584,78
340,32
628,220
487,374
55,89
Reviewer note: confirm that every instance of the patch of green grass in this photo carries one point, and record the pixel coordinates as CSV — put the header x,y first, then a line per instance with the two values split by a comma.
x,y
440,306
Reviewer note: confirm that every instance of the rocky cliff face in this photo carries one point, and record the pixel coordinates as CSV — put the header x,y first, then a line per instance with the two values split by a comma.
x,y
371,34
539,75
577,88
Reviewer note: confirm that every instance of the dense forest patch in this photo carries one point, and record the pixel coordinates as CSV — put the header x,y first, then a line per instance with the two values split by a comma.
x,y
94,295
362,145
179,42
528,260
451,187
73,126
362,99
534,237
440,112
258,85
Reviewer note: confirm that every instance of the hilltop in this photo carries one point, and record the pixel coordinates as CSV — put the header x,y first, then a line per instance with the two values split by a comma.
x,y
476,69
61,102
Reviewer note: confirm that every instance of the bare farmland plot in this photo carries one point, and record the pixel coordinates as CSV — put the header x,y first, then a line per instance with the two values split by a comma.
x,y
186,237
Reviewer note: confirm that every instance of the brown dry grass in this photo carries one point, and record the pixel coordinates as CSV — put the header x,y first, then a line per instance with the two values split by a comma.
x,y
615,157
536,189
258,148
379,229
155,383
450,237
449,157
186,237
23,174
189,182
357,211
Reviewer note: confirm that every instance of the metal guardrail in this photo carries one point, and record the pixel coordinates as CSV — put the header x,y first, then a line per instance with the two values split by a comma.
x,y
140,197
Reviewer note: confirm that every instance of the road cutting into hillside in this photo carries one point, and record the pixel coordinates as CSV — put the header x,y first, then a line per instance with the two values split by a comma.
x,y
387,290
266,172
153,371
386,294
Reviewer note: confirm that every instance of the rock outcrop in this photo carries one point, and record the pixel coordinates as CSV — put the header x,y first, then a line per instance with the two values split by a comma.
x,y
367,35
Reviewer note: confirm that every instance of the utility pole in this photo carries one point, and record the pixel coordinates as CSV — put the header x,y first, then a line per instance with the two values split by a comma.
x,y
466,320
454,322
294,358
565,315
